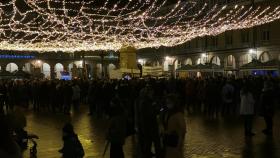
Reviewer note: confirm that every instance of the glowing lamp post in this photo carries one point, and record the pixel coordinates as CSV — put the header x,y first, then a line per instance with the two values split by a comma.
x,y
253,53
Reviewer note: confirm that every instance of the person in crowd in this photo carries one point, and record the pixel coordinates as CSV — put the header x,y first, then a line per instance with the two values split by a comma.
x,y
228,99
67,97
10,101
35,96
267,107
18,122
98,99
76,95
59,88
210,98
190,95
175,128
3,93
146,116
117,129
72,147
91,98
247,109
8,146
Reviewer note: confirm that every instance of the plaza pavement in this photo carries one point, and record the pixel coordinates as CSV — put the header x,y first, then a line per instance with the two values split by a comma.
x,y
205,138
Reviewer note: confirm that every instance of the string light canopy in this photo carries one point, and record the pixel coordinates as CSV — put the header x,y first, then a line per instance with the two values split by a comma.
x,y
88,25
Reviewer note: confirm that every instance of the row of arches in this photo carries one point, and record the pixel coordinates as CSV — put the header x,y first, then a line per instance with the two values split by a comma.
x,y
229,61
45,68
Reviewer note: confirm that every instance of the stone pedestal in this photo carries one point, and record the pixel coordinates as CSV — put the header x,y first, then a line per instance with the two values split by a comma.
x,y
128,63
128,57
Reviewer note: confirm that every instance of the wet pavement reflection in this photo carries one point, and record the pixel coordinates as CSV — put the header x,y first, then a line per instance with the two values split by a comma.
x,y
205,138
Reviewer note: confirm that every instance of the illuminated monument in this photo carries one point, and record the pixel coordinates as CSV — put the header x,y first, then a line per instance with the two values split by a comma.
x,y
128,62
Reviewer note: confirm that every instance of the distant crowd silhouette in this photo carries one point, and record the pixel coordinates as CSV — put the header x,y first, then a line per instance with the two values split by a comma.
x,y
153,109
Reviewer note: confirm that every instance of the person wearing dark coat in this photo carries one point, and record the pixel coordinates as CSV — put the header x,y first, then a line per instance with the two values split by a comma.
x,y
267,107
72,147
117,129
67,98
146,120
8,146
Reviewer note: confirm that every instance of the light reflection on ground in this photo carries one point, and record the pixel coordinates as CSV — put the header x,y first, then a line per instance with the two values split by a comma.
x,y
205,138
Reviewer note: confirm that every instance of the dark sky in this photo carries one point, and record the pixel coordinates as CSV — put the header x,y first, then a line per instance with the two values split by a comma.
x,y
97,3
23,7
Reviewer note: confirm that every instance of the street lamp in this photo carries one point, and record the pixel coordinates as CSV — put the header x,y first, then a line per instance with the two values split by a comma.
x,y
167,58
253,53
203,58
38,63
141,61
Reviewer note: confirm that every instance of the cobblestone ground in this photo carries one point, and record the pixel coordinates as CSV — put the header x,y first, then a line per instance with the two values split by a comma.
x,y
205,138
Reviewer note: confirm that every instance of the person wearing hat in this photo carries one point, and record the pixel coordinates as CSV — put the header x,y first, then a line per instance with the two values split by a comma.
x,y
117,130
72,147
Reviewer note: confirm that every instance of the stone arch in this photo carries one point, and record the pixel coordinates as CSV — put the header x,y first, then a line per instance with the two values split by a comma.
x,y
46,70
71,66
152,62
160,62
58,68
99,70
157,63
12,67
170,63
28,67
188,61
165,66
91,70
245,59
145,62
176,64
230,61
265,57
110,68
73,71
199,61
180,63
3,66
216,60
79,64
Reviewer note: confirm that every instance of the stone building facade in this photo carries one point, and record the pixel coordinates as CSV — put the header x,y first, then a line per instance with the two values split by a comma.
x,y
231,50
81,65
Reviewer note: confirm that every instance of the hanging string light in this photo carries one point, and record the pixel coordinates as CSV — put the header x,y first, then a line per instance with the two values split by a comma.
x,y
88,25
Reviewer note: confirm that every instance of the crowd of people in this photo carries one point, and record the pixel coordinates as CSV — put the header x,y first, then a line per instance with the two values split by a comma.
x,y
151,108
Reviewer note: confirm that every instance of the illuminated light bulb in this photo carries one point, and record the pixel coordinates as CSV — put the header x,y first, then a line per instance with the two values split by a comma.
x,y
141,24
